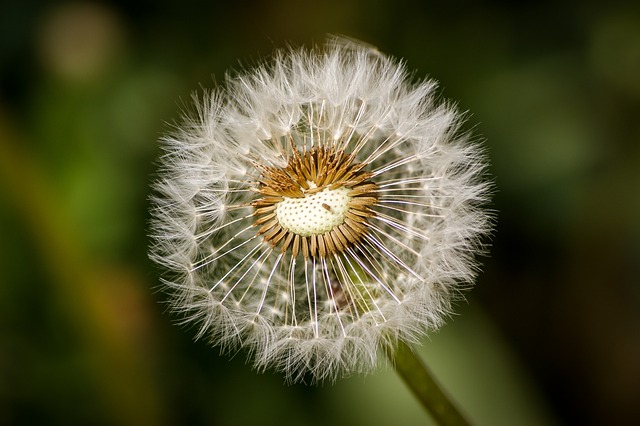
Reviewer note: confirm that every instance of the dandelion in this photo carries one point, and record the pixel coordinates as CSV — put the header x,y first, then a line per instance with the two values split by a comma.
x,y
319,208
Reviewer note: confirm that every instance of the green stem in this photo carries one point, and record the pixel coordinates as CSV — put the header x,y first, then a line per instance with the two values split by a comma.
x,y
419,379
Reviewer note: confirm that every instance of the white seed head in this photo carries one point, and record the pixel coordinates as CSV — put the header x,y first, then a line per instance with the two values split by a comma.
x,y
318,208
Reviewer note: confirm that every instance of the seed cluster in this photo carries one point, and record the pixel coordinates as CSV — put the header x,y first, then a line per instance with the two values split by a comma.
x,y
317,205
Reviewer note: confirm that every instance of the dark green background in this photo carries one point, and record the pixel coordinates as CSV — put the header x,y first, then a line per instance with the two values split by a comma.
x,y
551,333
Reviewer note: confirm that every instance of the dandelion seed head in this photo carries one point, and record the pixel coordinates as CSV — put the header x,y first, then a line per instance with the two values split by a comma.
x,y
319,207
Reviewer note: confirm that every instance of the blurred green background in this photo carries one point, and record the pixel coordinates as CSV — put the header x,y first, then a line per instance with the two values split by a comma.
x,y
551,333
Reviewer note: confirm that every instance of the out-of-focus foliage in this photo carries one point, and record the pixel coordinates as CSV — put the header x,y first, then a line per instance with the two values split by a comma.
x,y
549,336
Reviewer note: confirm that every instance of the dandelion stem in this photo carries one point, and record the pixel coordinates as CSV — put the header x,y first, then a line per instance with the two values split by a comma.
x,y
424,386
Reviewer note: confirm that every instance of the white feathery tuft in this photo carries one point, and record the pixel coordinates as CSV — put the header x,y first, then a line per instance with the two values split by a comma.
x,y
390,266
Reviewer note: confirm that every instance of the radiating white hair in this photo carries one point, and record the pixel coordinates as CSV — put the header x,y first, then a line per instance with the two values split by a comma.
x,y
319,304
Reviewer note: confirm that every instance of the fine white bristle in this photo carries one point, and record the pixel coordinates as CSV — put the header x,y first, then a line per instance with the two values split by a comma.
x,y
319,207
